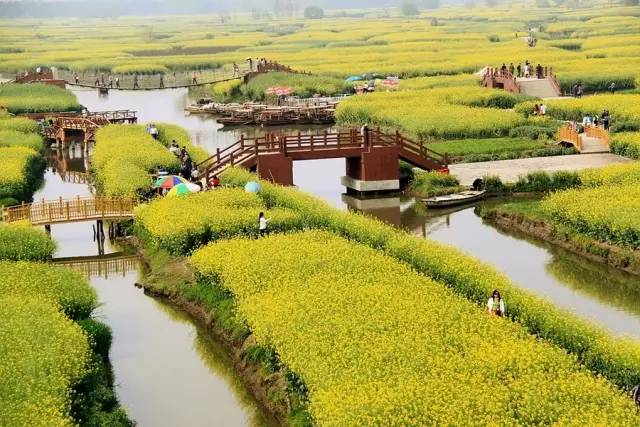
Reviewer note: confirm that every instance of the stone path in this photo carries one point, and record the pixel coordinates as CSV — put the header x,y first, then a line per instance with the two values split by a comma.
x,y
510,170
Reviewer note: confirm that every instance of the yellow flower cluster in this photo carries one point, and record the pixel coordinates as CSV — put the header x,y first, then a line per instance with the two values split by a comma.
x,y
378,344
15,170
626,144
123,158
180,224
621,107
622,173
607,213
42,355
24,242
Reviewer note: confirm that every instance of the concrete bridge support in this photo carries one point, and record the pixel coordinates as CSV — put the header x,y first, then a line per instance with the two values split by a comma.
x,y
376,170
275,167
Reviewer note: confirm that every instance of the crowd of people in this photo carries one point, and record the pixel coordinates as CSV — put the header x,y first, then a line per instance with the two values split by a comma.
x,y
603,121
527,71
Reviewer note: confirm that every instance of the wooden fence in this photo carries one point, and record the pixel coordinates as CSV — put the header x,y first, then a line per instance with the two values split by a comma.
x,y
70,210
600,133
571,136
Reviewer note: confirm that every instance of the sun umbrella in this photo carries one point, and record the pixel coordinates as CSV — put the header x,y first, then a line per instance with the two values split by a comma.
x,y
354,79
183,189
169,181
252,187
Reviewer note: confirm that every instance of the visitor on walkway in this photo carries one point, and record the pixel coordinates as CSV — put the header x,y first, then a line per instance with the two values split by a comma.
x,y
97,82
174,148
586,121
250,61
503,69
195,175
512,69
595,120
236,70
161,81
579,90
187,167
527,71
76,78
183,153
543,109
262,224
519,69
605,119
135,82
612,87
495,305
194,78
539,71
118,82
102,79
110,81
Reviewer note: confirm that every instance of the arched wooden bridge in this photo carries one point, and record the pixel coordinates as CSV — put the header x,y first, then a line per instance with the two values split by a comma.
x,y
70,210
371,156
594,139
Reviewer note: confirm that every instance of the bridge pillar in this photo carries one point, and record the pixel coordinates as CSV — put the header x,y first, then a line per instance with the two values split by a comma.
x,y
376,170
275,167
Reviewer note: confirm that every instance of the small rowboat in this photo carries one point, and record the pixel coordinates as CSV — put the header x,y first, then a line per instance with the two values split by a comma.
x,y
454,199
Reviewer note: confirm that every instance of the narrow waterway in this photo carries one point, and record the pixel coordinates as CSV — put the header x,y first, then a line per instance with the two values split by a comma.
x,y
168,370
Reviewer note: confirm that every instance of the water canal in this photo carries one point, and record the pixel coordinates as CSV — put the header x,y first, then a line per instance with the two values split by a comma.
x,y
168,371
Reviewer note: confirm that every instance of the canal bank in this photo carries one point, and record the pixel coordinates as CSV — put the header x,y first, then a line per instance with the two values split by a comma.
x,y
168,369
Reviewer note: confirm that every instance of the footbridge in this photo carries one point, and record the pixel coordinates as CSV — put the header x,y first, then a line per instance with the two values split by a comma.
x,y
48,212
101,265
371,157
594,139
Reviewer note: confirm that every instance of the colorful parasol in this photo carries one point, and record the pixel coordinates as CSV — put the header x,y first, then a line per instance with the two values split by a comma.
x,y
168,181
183,189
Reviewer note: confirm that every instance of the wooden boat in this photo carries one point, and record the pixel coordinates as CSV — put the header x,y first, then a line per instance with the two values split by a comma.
x,y
454,199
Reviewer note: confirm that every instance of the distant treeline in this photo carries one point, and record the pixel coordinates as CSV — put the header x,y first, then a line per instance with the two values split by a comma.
x,y
113,8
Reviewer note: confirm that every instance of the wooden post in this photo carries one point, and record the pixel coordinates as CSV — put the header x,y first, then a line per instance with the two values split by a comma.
x,y
242,141
231,157
47,228
299,142
311,142
325,137
218,155
67,210
283,141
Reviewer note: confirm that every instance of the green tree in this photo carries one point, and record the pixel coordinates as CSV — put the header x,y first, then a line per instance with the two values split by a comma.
x,y
409,9
313,12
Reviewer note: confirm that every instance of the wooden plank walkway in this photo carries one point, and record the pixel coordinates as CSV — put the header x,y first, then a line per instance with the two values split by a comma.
x,y
69,210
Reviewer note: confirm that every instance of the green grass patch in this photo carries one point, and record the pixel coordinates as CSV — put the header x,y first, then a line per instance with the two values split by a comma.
x,y
24,242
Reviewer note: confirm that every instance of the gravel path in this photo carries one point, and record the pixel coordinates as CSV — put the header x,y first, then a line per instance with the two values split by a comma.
x,y
510,170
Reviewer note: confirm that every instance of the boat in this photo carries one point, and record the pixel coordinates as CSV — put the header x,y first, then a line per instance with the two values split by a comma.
x,y
454,199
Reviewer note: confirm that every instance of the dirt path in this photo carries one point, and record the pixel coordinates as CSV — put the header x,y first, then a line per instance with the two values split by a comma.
x,y
509,170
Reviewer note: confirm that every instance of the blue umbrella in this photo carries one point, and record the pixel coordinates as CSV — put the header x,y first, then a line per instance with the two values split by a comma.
x,y
252,187
354,79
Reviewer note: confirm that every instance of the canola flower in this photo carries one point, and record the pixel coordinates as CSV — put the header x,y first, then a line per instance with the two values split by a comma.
x,y
626,144
16,164
37,98
14,138
42,355
606,213
377,343
63,287
23,242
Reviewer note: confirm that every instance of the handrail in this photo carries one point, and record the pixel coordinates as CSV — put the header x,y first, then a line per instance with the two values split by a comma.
x,y
570,135
598,132
69,210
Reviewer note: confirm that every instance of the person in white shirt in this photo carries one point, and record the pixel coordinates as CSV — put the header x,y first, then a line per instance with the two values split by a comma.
x,y
262,224
495,305
586,121
543,109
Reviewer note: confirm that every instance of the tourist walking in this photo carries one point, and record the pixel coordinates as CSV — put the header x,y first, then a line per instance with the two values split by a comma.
x,y
236,70
153,131
118,82
110,81
527,71
519,70
586,121
612,87
495,305
194,79
595,120
250,61
512,69
605,119
135,82
76,78
539,71
579,90
503,69
174,148
161,81
262,224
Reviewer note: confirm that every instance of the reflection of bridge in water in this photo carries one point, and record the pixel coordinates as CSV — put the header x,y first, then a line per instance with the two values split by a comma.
x,y
104,266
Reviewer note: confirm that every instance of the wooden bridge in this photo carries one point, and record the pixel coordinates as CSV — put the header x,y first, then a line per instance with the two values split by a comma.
x,y
70,210
170,80
544,85
101,265
593,140
371,157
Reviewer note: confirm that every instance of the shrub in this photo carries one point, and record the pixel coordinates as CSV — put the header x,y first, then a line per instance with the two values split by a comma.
x,y
362,362
14,138
169,132
37,98
42,355
20,172
23,242
434,183
626,144
123,158
56,284
534,132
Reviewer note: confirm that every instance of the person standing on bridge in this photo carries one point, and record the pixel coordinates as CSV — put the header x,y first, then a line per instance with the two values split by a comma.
x,y
161,81
110,81
512,70
519,70
76,78
118,82
194,79
236,70
135,81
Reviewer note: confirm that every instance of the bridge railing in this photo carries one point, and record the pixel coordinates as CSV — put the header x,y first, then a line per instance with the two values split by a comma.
x,y
598,132
69,210
570,135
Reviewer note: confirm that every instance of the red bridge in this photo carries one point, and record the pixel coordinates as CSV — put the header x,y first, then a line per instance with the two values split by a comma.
x,y
371,158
